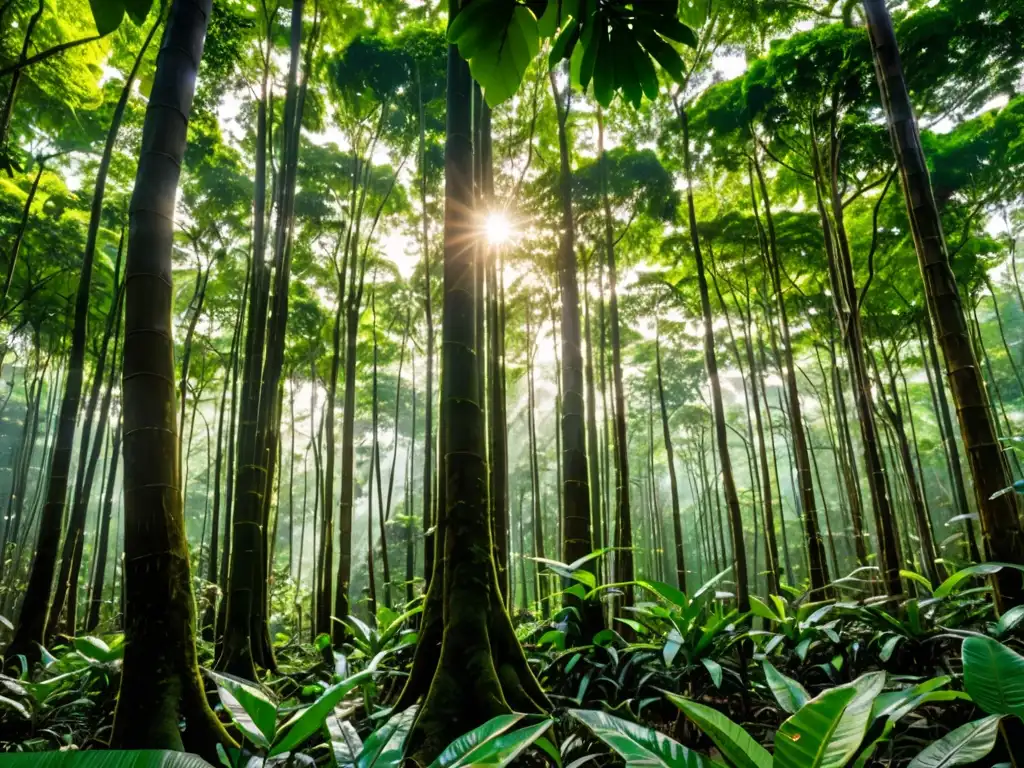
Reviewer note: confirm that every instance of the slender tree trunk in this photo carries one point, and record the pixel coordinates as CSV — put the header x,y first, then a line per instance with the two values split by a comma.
x,y
103,545
847,308
623,524
160,678
577,541
12,259
933,370
666,433
999,515
815,548
593,456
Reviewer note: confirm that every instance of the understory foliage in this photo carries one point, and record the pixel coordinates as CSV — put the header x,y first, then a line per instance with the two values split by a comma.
x,y
511,382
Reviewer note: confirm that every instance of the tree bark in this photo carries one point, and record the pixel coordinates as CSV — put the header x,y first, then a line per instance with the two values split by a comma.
x,y
999,515
160,678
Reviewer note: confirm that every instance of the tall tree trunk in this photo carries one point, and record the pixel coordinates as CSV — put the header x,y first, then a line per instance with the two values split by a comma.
x,y
593,457
999,515
160,679
468,661
818,568
666,433
577,541
847,308
623,524
930,362
103,545
537,519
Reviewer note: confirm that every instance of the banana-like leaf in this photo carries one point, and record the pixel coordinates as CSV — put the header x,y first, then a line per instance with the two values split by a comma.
x,y
638,744
306,722
805,739
790,694
945,589
738,747
249,707
385,747
103,758
967,744
993,676
492,744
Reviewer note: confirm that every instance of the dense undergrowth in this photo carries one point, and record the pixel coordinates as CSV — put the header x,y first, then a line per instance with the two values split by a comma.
x,y
933,679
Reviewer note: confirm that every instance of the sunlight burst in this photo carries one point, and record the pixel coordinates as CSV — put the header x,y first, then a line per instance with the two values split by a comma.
x,y
498,228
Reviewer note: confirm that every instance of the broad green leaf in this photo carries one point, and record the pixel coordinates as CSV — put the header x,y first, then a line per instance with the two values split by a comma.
x,y
804,740
967,744
458,749
1009,620
889,647
138,10
759,608
638,744
670,594
249,707
564,43
900,703
853,726
306,722
385,747
497,750
97,650
137,758
107,14
993,676
790,694
738,747
469,18
673,29
945,589
667,56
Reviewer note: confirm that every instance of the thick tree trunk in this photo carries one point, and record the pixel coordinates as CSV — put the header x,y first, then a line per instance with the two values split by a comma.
x,y
999,515
473,668
160,680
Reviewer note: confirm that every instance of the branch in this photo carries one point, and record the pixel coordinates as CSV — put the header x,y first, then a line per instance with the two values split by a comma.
x,y
48,53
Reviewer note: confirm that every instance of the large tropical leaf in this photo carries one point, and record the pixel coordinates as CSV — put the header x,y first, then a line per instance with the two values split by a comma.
x,y
853,725
638,744
993,676
804,740
468,741
137,758
385,747
345,742
492,744
790,694
249,707
306,722
946,588
738,747
967,744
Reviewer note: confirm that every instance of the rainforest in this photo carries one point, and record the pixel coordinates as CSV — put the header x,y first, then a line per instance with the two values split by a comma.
x,y
442,383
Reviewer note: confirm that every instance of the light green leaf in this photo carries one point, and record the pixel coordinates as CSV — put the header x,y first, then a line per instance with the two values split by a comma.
x,y
790,694
900,703
804,740
638,744
249,707
495,749
1009,620
967,744
305,722
385,747
759,608
738,747
993,676
946,588
493,728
